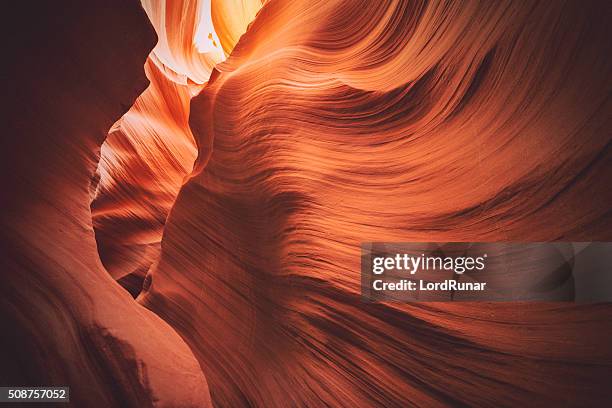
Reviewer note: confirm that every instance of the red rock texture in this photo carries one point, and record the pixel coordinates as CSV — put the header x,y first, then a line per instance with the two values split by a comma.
x,y
334,123
73,69
330,123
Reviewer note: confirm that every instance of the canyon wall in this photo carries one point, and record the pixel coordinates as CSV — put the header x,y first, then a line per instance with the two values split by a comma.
x,y
71,71
231,195
338,122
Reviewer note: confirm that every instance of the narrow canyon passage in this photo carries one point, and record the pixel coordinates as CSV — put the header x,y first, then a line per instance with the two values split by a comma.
x,y
151,149
194,240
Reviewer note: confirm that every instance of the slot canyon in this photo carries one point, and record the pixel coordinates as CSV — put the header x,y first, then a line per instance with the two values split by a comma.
x,y
186,185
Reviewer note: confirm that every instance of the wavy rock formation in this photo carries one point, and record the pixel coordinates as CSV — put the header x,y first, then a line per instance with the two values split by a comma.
x,y
327,124
338,122
72,70
151,149
142,165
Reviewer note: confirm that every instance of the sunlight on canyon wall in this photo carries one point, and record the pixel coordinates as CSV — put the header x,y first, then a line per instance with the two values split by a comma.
x,y
151,149
330,123
230,196
337,122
